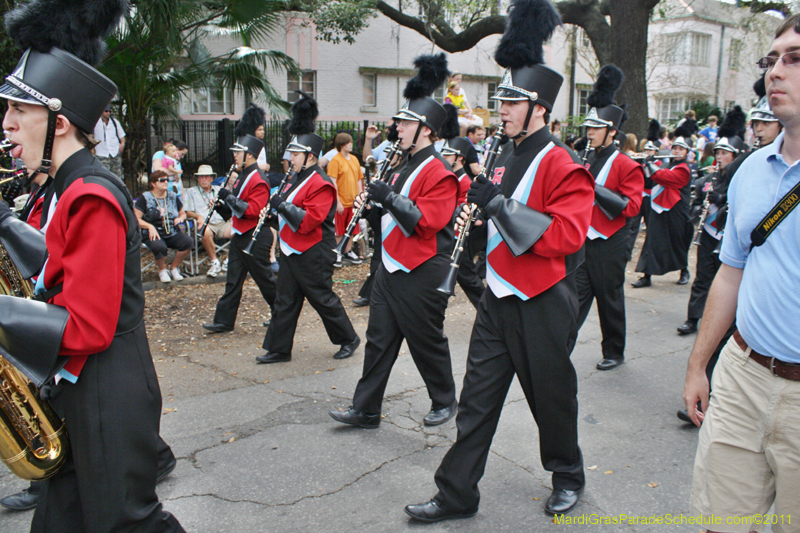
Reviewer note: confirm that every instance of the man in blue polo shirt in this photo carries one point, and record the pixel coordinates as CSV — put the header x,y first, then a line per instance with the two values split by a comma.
x,y
748,455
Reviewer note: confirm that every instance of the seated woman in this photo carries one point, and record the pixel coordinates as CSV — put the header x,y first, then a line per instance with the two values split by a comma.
x,y
457,97
159,212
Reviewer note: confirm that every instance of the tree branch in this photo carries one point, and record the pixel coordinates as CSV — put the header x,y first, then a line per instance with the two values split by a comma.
x,y
757,6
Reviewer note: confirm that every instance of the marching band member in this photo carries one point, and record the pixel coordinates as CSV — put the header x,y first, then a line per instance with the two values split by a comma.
x,y
416,209
107,392
248,197
619,182
306,228
539,205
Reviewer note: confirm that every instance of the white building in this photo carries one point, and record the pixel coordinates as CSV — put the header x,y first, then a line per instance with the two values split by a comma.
x,y
364,81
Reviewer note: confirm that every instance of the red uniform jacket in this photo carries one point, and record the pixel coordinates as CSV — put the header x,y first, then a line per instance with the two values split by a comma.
x,y
620,174
317,196
250,187
669,182
464,181
426,180
541,173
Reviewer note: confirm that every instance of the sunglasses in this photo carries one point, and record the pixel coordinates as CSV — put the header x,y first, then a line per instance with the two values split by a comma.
x,y
162,180
790,58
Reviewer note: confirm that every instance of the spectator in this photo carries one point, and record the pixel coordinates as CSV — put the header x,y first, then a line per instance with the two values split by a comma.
x,y
707,158
747,454
664,139
457,97
555,129
198,202
379,152
570,141
110,136
629,147
710,131
175,172
475,135
687,126
345,172
159,212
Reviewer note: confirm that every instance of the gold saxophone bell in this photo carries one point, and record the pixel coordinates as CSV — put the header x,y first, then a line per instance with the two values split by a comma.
x,y
33,439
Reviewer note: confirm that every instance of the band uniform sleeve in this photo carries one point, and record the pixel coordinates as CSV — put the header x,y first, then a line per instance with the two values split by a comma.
x,y
674,178
569,202
437,205
631,186
317,205
257,198
95,233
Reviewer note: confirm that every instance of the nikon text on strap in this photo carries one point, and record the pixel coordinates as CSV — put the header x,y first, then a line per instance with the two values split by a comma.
x,y
776,215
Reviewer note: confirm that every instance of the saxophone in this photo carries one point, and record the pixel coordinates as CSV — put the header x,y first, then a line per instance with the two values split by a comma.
x,y
33,439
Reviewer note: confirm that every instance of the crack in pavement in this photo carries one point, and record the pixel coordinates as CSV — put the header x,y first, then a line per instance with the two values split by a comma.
x,y
309,496
215,368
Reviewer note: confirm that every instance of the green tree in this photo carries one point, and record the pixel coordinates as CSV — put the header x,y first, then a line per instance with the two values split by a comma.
x,y
159,53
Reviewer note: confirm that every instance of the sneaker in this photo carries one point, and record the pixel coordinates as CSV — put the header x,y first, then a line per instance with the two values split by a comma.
x,y
164,276
225,265
352,257
176,274
214,269
338,263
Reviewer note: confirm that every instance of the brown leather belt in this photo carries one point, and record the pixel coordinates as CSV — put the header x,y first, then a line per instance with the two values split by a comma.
x,y
778,368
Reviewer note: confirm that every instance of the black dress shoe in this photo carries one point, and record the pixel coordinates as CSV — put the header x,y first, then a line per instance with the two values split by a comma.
x,y
166,469
361,301
684,279
266,323
608,364
21,501
644,281
216,327
356,418
431,512
347,349
690,326
440,416
563,501
273,357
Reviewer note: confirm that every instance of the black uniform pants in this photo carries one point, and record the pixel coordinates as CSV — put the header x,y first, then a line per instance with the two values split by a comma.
x,y
707,265
112,413
635,223
533,340
374,264
468,278
406,305
239,265
602,277
307,276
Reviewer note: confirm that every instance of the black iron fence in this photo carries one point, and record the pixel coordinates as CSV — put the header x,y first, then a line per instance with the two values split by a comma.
x,y
209,143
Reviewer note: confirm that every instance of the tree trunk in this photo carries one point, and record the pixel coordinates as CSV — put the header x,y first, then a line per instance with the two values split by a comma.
x,y
630,19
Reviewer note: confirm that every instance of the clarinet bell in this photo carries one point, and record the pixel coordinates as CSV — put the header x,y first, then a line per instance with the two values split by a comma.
x,y
339,249
448,286
249,249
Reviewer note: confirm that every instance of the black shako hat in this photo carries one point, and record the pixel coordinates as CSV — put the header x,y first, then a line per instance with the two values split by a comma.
x,y
302,126
61,42
521,51
603,113
420,107
457,145
249,144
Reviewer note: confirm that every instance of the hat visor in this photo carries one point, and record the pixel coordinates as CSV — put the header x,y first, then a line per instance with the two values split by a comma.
x,y
509,95
763,117
407,114
238,148
594,123
683,145
295,147
726,147
450,151
10,92
201,174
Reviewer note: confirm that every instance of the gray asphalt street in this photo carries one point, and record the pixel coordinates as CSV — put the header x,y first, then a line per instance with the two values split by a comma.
x,y
258,452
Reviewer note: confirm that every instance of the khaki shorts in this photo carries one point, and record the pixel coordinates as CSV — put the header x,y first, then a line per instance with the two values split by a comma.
x,y
748,454
218,228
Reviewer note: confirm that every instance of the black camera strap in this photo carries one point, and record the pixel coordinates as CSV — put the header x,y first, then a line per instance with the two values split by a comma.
x,y
776,215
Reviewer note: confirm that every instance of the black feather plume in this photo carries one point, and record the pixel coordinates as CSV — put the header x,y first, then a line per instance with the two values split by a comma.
x,y
609,80
252,118
432,74
652,130
580,144
392,134
734,123
760,87
76,26
529,24
304,113
450,129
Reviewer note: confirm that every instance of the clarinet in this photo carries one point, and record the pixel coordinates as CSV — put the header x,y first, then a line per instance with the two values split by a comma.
x,y
263,215
202,230
383,175
706,206
586,152
448,286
